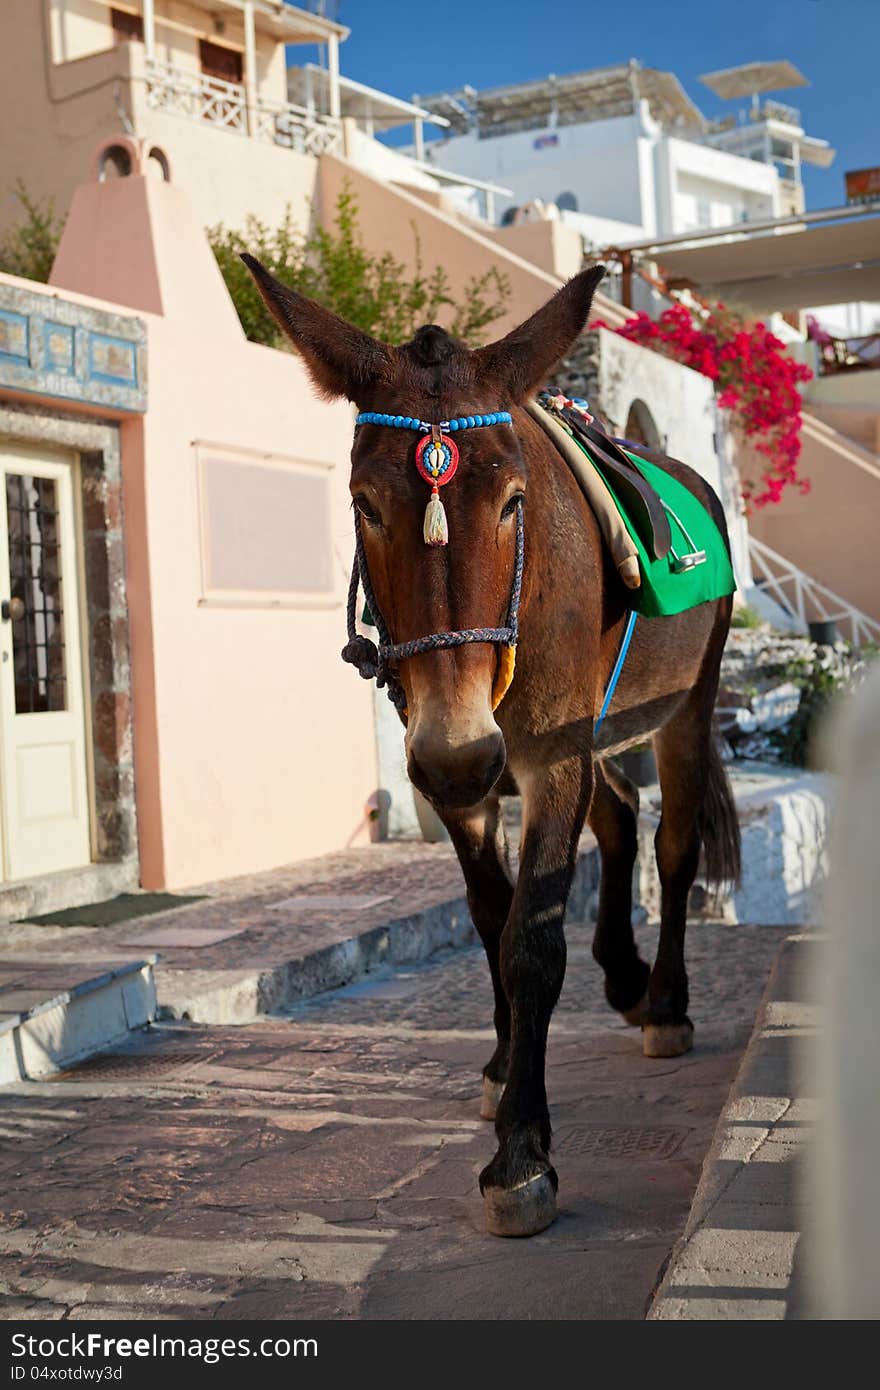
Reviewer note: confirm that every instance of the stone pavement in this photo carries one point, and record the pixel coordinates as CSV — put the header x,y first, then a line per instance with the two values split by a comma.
x,y
258,943
324,1163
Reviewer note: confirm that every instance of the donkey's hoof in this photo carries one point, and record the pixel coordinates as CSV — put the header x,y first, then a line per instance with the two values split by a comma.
x,y
492,1093
636,1015
523,1210
667,1039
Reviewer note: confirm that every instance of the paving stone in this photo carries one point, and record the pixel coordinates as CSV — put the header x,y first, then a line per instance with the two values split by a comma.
x,y
324,1162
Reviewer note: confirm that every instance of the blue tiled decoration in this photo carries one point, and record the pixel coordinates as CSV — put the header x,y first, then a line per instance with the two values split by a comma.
x,y
58,344
13,336
53,347
112,359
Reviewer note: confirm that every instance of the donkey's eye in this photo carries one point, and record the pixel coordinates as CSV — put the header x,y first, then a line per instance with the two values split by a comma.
x,y
510,505
366,511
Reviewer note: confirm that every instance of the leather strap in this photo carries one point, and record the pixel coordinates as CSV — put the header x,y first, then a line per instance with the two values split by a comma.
x,y
643,503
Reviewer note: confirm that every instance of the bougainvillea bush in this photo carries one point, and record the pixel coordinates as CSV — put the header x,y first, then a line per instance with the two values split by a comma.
x,y
754,377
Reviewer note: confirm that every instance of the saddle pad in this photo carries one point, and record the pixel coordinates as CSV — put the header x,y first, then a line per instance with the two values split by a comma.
x,y
663,589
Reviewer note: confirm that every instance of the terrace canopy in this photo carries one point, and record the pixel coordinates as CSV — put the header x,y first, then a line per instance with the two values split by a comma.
x,y
783,268
568,99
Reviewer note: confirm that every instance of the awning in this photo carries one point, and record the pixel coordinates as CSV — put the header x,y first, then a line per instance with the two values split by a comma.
x,y
287,22
750,78
309,83
785,270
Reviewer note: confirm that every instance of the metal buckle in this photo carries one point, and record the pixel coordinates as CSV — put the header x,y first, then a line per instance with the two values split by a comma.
x,y
693,557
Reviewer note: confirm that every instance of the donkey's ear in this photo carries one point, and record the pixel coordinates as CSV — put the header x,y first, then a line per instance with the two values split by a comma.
x,y
341,359
521,361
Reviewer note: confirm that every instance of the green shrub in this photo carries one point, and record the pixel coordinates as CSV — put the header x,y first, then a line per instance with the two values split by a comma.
x,y
822,676
331,265
28,248
744,616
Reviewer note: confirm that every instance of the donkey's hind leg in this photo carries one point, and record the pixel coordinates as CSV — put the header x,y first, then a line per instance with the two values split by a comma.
x,y
481,845
614,813
682,748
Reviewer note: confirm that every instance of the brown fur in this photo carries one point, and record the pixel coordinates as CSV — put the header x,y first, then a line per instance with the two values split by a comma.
x,y
541,738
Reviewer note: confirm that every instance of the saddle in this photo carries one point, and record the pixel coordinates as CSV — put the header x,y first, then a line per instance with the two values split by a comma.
x,y
666,572
642,502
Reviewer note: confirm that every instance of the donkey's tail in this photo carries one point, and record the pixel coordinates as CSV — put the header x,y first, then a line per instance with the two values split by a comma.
x,y
719,827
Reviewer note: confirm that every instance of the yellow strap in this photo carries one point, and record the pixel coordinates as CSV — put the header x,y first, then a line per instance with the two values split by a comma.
x,y
504,675
503,678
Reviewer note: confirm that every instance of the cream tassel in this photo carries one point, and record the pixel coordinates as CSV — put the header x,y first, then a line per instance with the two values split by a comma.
x,y
436,529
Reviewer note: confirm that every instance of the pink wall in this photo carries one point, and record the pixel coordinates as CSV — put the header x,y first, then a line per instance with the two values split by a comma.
x,y
831,531
254,745
391,216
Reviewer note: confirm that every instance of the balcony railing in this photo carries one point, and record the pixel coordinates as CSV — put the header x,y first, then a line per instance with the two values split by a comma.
x,y
805,599
199,97
293,127
776,111
849,354
224,105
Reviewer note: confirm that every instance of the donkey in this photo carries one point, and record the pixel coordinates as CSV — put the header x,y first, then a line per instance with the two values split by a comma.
x,y
463,754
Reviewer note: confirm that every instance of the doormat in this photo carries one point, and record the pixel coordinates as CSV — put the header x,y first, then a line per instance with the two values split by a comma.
x,y
123,908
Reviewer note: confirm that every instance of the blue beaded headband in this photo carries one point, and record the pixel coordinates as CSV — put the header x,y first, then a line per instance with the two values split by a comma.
x,y
436,456
409,422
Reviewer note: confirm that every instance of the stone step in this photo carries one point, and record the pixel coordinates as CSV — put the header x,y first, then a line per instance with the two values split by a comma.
x,y
222,996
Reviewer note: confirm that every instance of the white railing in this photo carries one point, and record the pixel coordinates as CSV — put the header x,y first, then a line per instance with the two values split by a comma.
x,y
196,96
805,598
225,105
296,129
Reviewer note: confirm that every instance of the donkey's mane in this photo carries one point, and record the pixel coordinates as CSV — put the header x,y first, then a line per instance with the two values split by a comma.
x,y
435,361
432,346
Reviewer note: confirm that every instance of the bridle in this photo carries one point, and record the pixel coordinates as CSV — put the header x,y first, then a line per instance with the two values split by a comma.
x,y
436,459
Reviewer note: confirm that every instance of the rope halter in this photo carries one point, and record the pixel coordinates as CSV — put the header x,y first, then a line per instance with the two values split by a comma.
x,y
436,459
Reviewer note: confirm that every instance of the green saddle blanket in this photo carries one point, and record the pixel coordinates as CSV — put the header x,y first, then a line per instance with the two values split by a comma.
x,y
672,585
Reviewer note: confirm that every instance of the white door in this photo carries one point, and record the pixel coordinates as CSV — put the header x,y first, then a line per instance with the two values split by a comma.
x,y
44,798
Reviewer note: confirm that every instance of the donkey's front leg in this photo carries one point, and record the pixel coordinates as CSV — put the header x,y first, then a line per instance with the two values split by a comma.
x,y
481,845
519,1185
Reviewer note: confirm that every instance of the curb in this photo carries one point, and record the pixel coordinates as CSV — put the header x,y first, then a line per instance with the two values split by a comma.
x,y
241,996
736,1258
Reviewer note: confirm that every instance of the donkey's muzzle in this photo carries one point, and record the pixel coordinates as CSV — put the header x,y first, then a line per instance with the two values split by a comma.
x,y
456,775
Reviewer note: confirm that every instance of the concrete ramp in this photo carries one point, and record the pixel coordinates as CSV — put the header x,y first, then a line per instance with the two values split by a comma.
x,y
54,1027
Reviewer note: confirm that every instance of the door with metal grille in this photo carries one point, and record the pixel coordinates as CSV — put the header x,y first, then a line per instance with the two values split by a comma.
x,y
44,802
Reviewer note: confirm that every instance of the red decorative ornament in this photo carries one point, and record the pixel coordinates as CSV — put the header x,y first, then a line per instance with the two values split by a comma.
x,y
437,459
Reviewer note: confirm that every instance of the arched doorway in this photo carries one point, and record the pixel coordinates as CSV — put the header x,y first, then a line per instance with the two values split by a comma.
x,y
641,427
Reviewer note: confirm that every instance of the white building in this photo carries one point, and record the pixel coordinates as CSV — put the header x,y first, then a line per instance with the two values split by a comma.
x,y
625,154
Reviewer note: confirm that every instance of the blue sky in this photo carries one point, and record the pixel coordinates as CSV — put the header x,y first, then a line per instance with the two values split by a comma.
x,y
404,47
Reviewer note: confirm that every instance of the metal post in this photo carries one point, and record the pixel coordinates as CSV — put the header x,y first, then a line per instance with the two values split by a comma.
x,y
626,279
250,67
149,31
333,74
419,138
490,207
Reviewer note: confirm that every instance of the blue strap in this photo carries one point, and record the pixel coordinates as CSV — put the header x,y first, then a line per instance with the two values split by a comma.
x,y
618,667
